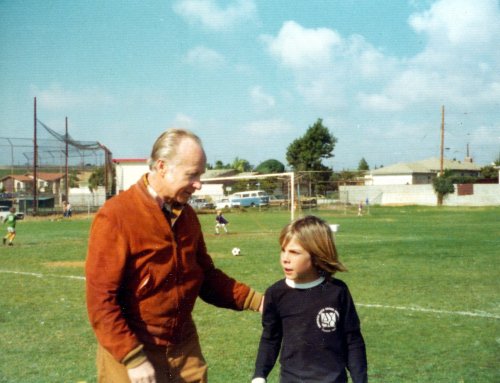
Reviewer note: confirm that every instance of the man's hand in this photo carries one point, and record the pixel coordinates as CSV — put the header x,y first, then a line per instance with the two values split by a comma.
x,y
143,373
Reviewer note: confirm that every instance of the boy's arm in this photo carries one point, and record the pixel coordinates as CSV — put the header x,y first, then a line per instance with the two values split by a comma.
x,y
356,350
270,341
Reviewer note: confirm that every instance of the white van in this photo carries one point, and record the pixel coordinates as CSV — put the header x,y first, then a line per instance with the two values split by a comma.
x,y
250,198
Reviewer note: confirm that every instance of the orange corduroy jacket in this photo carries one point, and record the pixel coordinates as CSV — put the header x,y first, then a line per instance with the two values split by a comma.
x,y
143,277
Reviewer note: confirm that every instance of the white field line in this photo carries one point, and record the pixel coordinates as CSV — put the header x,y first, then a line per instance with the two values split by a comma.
x,y
481,314
377,306
38,275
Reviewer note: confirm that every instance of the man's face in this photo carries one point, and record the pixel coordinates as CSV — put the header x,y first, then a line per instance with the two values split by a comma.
x,y
183,173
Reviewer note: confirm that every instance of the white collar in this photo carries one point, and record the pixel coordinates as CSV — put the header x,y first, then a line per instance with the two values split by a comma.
x,y
308,285
157,198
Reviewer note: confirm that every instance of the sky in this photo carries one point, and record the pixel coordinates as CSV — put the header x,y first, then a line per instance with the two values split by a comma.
x,y
251,76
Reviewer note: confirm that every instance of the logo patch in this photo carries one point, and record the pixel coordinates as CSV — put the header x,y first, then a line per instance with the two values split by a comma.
x,y
327,319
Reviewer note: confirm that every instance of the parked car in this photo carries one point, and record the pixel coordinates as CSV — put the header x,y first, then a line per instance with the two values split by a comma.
x,y
4,212
308,202
201,203
278,201
226,203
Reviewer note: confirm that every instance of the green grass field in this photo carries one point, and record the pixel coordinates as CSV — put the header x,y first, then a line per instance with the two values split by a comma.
x,y
425,280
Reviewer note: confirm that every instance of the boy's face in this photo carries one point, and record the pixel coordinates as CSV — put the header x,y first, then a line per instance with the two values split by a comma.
x,y
297,263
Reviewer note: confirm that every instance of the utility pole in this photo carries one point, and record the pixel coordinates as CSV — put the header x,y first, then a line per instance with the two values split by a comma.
x,y
35,165
66,175
442,142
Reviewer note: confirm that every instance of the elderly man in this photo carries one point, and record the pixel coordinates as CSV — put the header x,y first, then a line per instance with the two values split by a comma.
x,y
147,263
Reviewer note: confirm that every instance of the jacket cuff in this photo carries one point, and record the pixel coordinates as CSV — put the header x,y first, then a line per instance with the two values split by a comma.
x,y
135,357
253,300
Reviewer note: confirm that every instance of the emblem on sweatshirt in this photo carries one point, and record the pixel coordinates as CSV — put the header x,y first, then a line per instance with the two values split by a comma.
x,y
327,319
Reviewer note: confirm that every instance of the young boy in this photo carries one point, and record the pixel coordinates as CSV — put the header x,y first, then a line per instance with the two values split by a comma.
x,y
220,221
309,317
11,227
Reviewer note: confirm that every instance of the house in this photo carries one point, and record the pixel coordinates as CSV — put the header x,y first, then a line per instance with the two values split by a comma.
x,y
419,172
49,183
129,170
17,183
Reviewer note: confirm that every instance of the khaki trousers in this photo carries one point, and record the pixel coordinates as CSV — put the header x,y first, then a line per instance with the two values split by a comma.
x,y
179,363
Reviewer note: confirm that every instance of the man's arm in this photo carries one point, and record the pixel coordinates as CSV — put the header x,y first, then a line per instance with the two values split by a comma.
x,y
106,258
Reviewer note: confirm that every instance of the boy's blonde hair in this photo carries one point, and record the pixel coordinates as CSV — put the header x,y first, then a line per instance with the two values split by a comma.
x,y
316,237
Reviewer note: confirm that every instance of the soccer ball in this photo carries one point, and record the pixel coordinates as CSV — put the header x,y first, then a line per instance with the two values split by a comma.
x,y
236,251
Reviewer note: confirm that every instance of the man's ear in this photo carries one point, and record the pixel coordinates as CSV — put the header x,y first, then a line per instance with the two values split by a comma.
x,y
161,167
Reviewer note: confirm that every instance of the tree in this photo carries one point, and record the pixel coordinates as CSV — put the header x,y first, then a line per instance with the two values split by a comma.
x,y
220,165
96,179
489,172
270,166
363,165
307,152
443,185
241,165
73,179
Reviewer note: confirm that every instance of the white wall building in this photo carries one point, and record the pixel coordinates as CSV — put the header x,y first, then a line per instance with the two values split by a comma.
x,y
419,172
128,171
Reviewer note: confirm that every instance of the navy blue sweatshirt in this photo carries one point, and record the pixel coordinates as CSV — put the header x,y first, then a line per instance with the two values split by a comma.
x,y
316,332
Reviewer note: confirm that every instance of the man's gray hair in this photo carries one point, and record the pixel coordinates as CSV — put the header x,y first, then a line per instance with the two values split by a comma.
x,y
165,146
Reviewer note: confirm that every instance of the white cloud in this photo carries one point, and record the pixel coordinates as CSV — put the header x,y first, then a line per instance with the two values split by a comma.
x,y
261,99
455,67
183,121
459,22
57,98
205,57
213,16
266,128
298,47
379,102
327,67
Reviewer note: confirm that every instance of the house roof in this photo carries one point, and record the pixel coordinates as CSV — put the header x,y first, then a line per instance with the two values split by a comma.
x,y
49,176
130,160
429,165
18,177
216,173
28,177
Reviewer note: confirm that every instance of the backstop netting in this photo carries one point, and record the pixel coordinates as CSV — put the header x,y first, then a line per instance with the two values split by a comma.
x,y
64,167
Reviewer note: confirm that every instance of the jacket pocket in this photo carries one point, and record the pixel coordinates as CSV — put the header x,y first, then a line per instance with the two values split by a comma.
x,y
145,286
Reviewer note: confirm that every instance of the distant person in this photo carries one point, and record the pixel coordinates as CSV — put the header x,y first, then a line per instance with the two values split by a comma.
x,y
11,220
309,317
360,208
68,212
147,264
220,221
